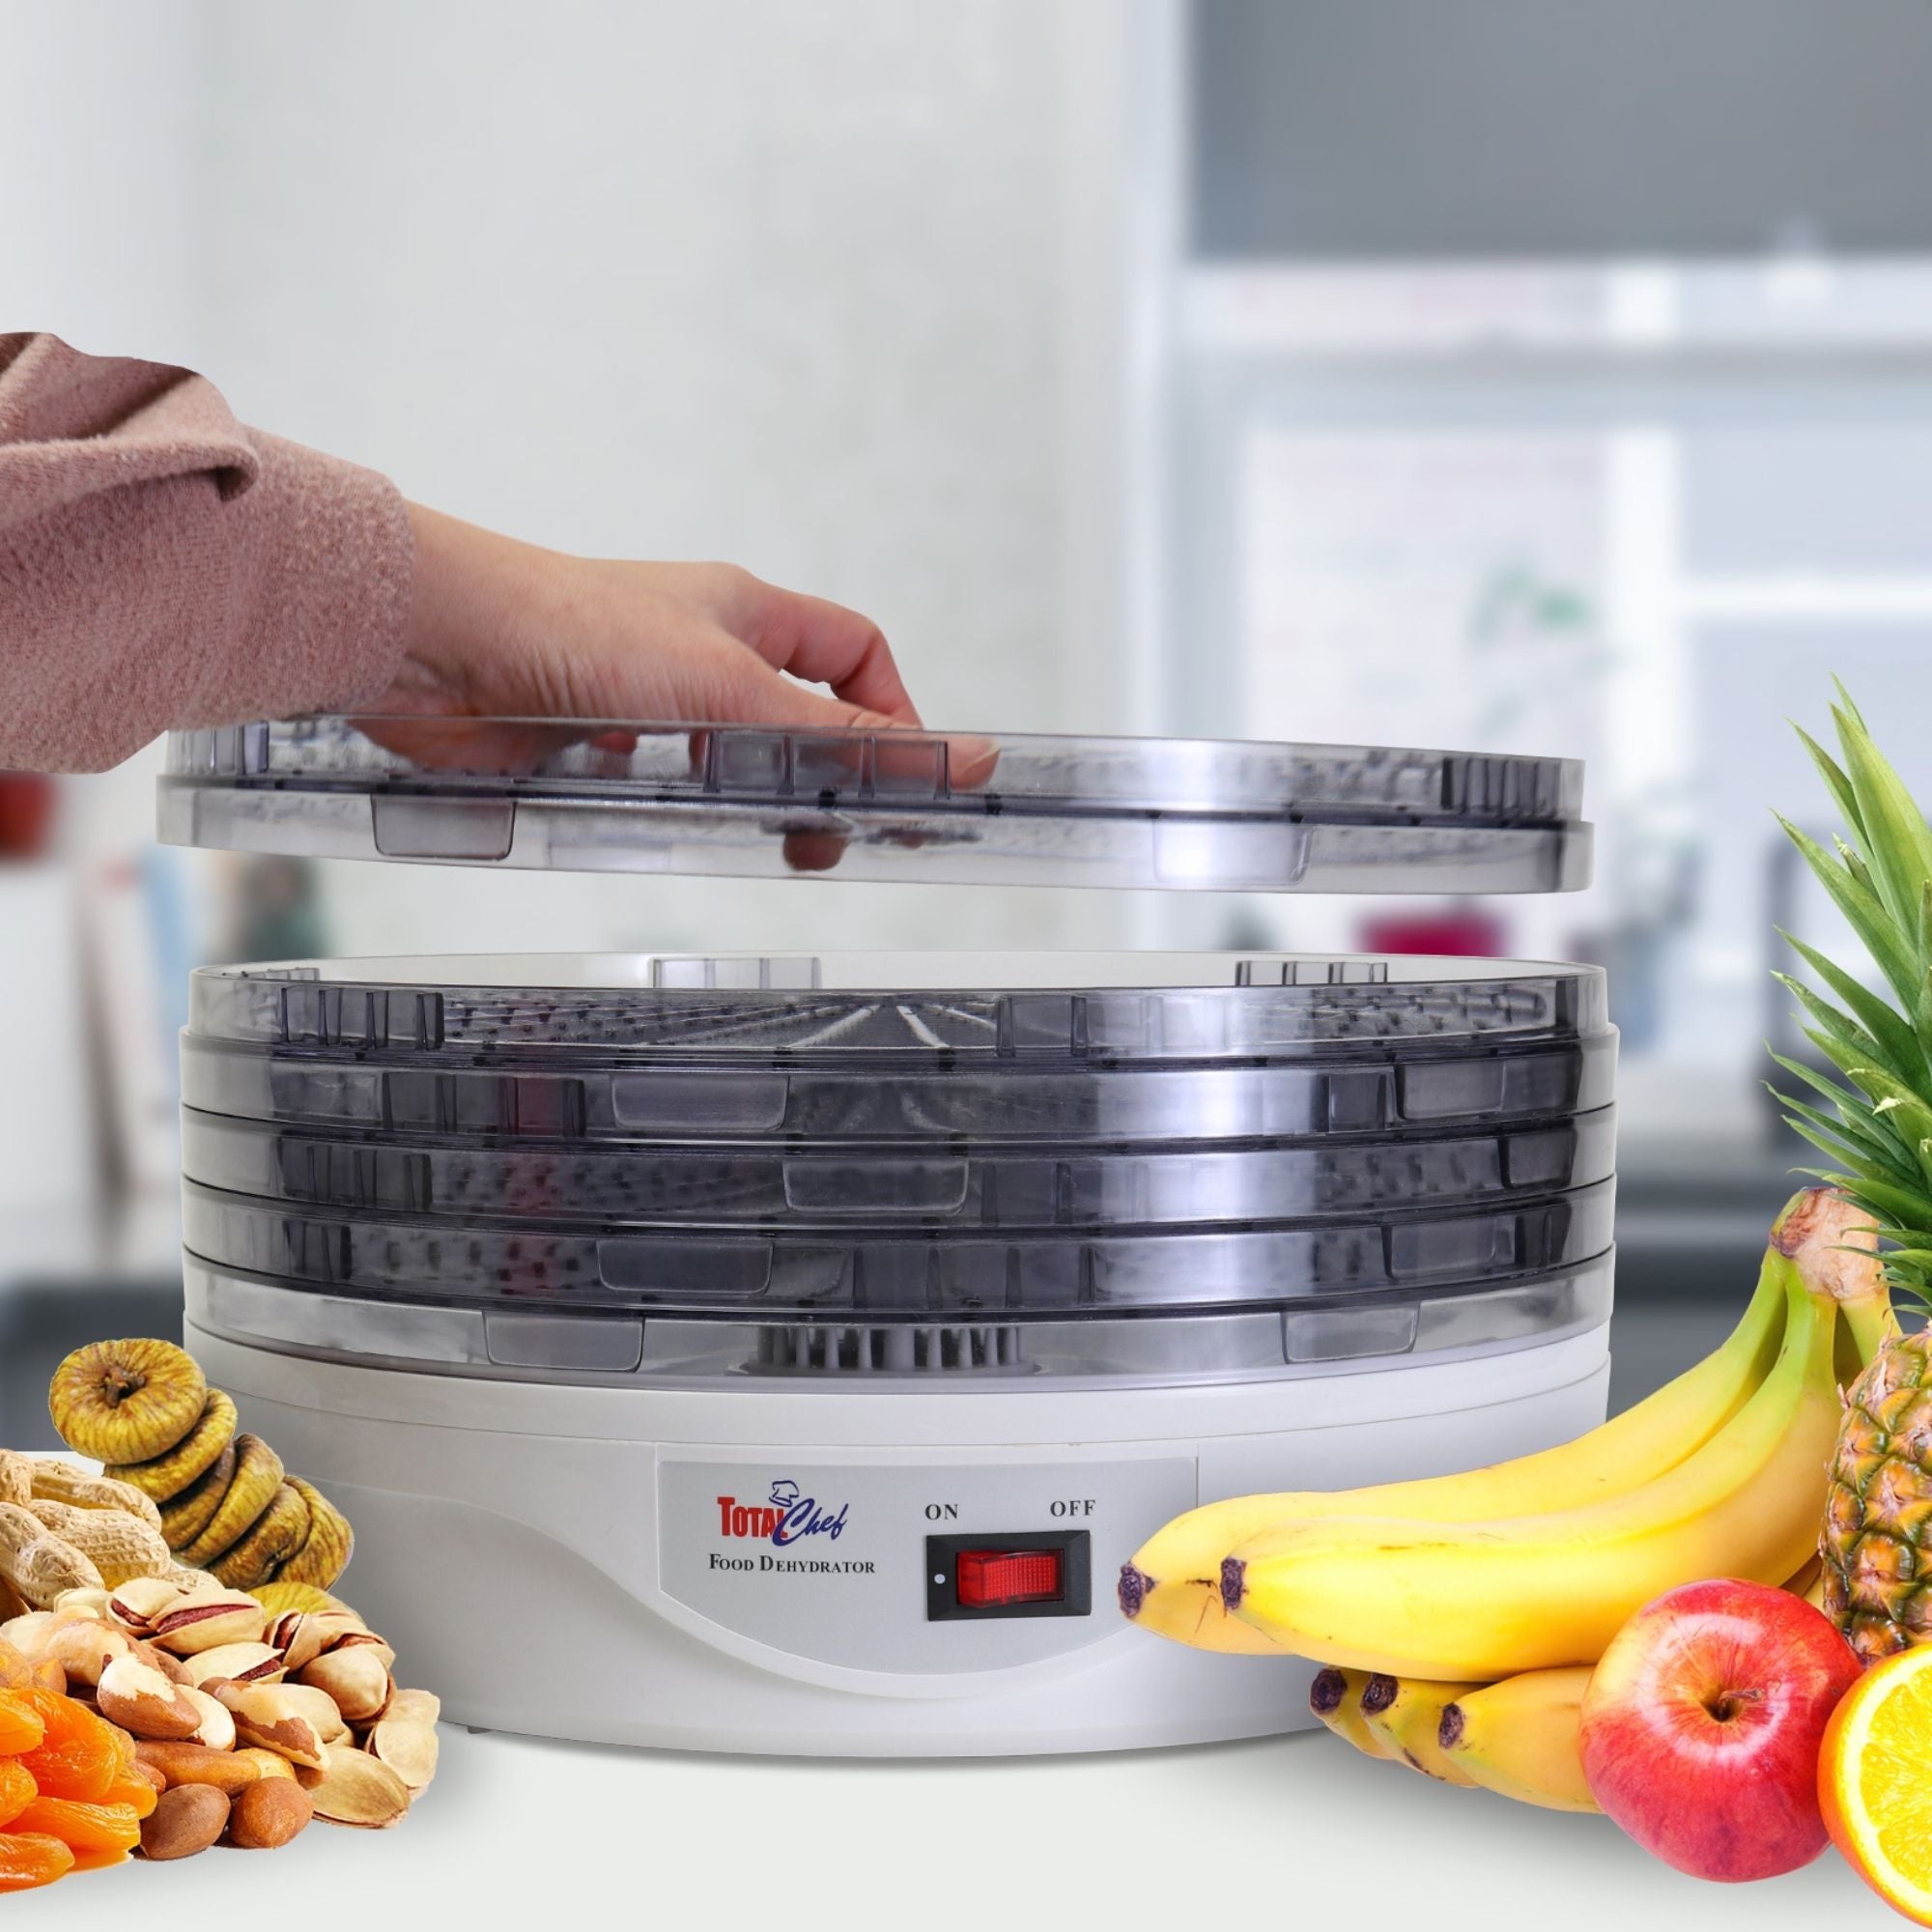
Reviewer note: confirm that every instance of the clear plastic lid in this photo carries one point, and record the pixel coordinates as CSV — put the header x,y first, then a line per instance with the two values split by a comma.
x,y
1382,1089
608,796
896,1010
882,1187
1340,1335
894,1275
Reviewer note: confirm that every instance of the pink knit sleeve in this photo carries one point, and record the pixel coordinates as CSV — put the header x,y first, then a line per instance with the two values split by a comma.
x,y
161,565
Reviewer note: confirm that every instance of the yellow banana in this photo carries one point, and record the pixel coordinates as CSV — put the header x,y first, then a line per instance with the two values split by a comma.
x,y
1404,1716
1485,1601
1173,1583
1336,1697
1519,1738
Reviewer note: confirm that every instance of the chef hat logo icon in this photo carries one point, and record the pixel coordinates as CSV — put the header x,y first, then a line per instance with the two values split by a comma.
x,y
785,1493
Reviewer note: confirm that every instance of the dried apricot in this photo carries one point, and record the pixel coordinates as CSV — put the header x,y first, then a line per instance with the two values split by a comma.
x,y
49,1675
22,1725
15,1672
81,1754
17,1789
100,1861
28,1860
82,1828
136,1793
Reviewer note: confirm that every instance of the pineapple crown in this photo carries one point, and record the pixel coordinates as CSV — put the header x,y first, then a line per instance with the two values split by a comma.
x,y
1879,1131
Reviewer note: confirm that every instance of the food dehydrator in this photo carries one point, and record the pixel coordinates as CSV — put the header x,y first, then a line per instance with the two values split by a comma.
x,y
783,1353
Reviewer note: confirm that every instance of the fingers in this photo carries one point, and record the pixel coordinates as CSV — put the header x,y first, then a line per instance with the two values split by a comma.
x,y
820,642
723,679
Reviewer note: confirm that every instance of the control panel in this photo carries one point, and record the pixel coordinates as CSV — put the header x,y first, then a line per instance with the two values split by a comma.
x,y
917,1568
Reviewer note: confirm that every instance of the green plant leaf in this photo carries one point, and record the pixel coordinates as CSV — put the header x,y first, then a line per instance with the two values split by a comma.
x,y
1904,1048
1836,780
1853,1106
1868,1169
1892,1158
1867,918
1904,1206
1841,1026
1897,841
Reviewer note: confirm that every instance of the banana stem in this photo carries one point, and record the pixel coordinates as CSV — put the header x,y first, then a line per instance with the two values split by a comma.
x,y
1872,1324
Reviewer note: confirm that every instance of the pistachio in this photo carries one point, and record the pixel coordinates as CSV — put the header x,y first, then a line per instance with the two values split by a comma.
x,y
244,1662
207,1622
85,1603
302,1635
140,1600
425,1707
407,1747
357,1680
268,1719
357,1789
364,1642
138,1699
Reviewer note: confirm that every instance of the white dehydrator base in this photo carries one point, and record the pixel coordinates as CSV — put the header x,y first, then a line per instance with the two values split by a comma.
x,y
561,1561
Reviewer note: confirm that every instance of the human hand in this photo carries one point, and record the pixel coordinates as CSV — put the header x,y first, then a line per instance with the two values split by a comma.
x,y
505,629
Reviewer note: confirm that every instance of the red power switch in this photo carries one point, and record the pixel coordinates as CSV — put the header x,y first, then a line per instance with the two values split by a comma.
x,y
991,1578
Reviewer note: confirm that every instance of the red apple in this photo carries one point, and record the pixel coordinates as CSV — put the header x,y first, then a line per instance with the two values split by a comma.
x,y
1701,1727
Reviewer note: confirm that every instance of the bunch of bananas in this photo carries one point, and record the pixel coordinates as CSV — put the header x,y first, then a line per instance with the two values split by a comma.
x,y
226,1504
1460,1615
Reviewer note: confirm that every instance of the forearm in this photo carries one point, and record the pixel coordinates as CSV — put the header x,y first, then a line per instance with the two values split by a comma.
x,y
161,565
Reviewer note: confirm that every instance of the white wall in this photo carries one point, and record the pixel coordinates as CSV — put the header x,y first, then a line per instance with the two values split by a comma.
x,y
780,283
763,281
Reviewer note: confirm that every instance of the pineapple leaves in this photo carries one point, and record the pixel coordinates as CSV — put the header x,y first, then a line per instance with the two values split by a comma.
x,y
1894,957
1897,1204
1900,1045
1852,1140
1855,1107
1835,781
1897,841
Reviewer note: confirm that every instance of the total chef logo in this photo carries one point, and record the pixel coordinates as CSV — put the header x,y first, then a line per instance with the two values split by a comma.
x,y
787,1517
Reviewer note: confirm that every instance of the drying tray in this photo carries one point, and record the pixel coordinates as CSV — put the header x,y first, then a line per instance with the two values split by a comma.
x,y
895,1274
616,796
512,1343
1378,1089
881,1186
896,1012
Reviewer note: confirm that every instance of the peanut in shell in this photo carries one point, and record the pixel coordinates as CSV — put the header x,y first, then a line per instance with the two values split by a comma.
x,y
55,1481
120,1545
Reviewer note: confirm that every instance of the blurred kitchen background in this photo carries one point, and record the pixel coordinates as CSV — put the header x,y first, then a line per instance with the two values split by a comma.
x,y
1486,373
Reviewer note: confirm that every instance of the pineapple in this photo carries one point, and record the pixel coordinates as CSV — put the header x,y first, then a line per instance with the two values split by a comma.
x,y
1879,1138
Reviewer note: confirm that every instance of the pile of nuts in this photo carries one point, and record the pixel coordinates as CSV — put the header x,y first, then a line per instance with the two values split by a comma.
x,y
247,1717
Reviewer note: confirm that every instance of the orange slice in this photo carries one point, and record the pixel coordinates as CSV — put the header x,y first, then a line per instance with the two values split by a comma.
x,y
1875,1782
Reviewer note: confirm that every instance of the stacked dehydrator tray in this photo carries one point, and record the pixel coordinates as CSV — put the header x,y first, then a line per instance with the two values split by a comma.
x,y
795,1346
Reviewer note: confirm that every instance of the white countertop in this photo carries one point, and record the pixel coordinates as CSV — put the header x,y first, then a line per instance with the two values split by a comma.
x,y
1296,1833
